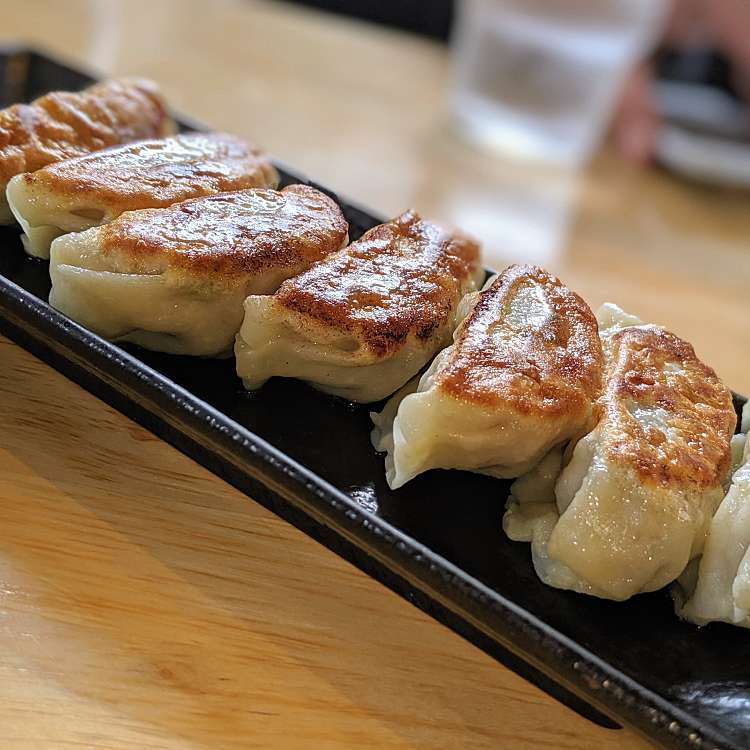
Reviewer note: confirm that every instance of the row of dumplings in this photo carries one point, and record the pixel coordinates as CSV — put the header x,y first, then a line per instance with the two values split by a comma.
x,y
628,474
171,241
619,438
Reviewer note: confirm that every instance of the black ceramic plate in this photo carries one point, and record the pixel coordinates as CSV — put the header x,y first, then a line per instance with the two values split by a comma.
x,y
437,541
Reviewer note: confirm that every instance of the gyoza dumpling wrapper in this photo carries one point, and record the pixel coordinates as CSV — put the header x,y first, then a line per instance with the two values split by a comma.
x,y
91,190
721,590
63,124
363,321
521,377
634,504
174,279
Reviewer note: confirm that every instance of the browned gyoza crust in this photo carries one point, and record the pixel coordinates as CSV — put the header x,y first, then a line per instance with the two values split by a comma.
x,y
228,236
650,367
158,172
550,370
62,124
401,278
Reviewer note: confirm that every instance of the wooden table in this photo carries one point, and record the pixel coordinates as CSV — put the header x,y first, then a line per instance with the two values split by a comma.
x,y
143,602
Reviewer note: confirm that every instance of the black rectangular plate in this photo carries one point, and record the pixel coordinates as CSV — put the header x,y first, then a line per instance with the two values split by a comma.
x,y
437,541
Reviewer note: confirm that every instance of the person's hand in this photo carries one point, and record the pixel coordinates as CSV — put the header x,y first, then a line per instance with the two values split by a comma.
x,y
723,24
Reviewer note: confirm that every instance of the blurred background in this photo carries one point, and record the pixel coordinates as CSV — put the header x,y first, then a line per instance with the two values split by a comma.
x,y
432,18
605,139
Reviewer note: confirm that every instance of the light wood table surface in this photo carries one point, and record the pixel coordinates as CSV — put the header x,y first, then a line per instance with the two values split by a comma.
x,y
146,604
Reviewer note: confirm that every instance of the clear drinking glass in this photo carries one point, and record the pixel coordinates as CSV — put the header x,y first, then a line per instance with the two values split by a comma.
x,y
538,78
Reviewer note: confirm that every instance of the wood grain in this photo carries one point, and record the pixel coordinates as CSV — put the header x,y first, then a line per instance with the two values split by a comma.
x,y
143,602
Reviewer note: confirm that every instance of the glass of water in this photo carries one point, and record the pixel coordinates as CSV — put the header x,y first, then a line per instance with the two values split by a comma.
x,y
538,78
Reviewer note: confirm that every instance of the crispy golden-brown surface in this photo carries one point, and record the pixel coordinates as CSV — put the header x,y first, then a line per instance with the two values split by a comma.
x,y
652,371
400,278
62,124
158,172
227,236
538,353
